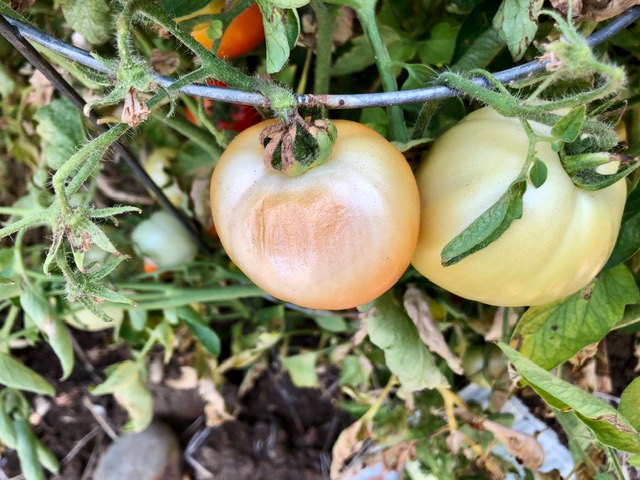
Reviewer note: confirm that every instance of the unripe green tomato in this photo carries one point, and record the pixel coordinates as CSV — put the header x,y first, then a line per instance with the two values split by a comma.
x,y
483,364
563,239
337,236
163,239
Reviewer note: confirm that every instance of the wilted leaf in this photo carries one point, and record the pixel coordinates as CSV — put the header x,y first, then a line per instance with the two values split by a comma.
x,y
595,10
552,333
523,446
415,303
350,442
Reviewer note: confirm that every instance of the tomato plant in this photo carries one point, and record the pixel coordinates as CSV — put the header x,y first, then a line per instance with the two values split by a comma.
x,y
335,237
563,239
242,35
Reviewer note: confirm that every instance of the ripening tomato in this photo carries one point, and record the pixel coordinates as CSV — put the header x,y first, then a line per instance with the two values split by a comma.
x,y
242,35
335,237
563,239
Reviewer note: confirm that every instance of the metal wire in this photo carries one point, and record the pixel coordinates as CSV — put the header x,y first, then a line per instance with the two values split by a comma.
x,y
381,99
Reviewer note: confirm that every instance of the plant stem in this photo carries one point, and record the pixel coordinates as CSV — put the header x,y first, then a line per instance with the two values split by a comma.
x,y
325,16
367,16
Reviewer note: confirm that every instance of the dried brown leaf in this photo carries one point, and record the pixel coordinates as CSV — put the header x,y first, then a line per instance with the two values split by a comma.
x,y
418,310
349,443
165,62
494,333
594,10
524,447
135,111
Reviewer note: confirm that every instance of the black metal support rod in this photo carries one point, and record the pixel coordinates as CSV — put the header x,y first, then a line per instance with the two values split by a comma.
x,y
13,35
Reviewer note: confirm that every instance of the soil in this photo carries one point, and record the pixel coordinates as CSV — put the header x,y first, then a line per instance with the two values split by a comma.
x,y
279,431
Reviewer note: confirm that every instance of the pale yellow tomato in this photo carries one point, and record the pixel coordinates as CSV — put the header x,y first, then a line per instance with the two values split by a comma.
x,y
335,237
563,239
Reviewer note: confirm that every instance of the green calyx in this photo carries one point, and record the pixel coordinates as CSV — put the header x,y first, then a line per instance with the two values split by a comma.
x,y
296,145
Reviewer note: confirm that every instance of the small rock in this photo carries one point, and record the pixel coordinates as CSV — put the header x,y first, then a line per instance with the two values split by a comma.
x,y
153,454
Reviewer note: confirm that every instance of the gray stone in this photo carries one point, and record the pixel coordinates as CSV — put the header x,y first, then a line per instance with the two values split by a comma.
x,y
153,454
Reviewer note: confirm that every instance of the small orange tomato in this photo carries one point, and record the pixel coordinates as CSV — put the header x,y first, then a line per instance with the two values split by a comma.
x,y
242,35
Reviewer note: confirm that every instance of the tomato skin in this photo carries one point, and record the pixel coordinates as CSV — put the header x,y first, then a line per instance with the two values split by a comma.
x,y
335,237
244,33
558,246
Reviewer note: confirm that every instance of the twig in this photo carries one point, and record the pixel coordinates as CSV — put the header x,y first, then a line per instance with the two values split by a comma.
x,y
100,419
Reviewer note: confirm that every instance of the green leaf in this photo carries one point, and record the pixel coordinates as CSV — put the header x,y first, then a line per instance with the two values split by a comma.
x,y
127,382
332,323
628,243
61,131
516,23
6,281
488,227
438,49
205,335
27,451
550,334
418,76
352,373
391,329
356,59
302,369
16,375
635,461
590,179
181,8
538,173
629,402
281,29
91,18
608,425
7,83
478,43
36,306
568,127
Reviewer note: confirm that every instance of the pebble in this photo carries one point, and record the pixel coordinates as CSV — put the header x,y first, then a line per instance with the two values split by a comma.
x,y
153,454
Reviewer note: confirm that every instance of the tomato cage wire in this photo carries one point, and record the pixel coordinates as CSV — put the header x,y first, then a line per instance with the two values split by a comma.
x,y
335,101
19,34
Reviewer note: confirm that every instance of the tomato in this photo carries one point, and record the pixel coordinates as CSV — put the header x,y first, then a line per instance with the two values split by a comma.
x,y
484,364
242,35
238,119
561,242
164,241
335,237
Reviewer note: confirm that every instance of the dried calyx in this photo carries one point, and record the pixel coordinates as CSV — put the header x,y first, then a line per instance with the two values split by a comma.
x,y
298,144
